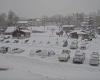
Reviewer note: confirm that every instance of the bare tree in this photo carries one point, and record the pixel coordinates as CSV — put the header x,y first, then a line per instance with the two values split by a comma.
x,y
12,18
3,17
59,20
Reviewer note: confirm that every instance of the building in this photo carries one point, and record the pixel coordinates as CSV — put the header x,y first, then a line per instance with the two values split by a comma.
x,y
21,34
23,23
68,28
79,34
10,30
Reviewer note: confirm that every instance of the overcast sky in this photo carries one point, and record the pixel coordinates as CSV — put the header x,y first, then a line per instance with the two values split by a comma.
x,y
37,8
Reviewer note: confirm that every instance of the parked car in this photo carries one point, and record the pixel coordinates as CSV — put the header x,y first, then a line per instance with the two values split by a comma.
x,y
16,41
1,40
42,52
74,45
94,59
83,46
79,57
7,41
6,37
85,41
4,49
26,41
65,43
64,56
16,50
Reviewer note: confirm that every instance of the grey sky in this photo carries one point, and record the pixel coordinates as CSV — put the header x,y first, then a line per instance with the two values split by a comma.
x,y
37,8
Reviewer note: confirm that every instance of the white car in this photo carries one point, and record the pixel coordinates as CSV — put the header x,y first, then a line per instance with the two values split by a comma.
x,y
83,46
64,56
16,50
94,59
42,52
74,45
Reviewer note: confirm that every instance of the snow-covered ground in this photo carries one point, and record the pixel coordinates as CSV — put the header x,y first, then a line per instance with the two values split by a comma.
x,y
25,67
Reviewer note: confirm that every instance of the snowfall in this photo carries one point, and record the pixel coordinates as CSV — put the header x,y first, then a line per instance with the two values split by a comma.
x,y
25,67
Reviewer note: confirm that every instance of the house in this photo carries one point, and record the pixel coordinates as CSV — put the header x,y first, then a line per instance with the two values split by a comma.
x,y
98,30
9,30
21,34
22,23
35,22
79,34
39,29
85,26
68,28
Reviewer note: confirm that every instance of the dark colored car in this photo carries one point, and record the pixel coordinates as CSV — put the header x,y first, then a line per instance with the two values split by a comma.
x,y
79,57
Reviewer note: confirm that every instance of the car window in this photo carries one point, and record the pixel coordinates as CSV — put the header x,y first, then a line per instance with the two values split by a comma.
x,y
38,51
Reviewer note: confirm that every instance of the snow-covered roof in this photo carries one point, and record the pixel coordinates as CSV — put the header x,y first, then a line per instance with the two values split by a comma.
x,y
52,27
78,32
68,26
41,28
22,22
25,30
10,29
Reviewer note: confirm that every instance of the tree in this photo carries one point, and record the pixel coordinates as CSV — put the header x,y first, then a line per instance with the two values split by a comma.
x,y
69,20
3,17
78,18
12,18
59,20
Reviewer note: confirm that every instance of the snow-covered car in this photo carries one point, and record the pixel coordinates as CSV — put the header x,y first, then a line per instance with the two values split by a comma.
x,y
4,50
79,57
16,41
16,50
94,59
1,40
85,41
6,37
66,51
74,45
64,56
83,46
7,41
42,52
